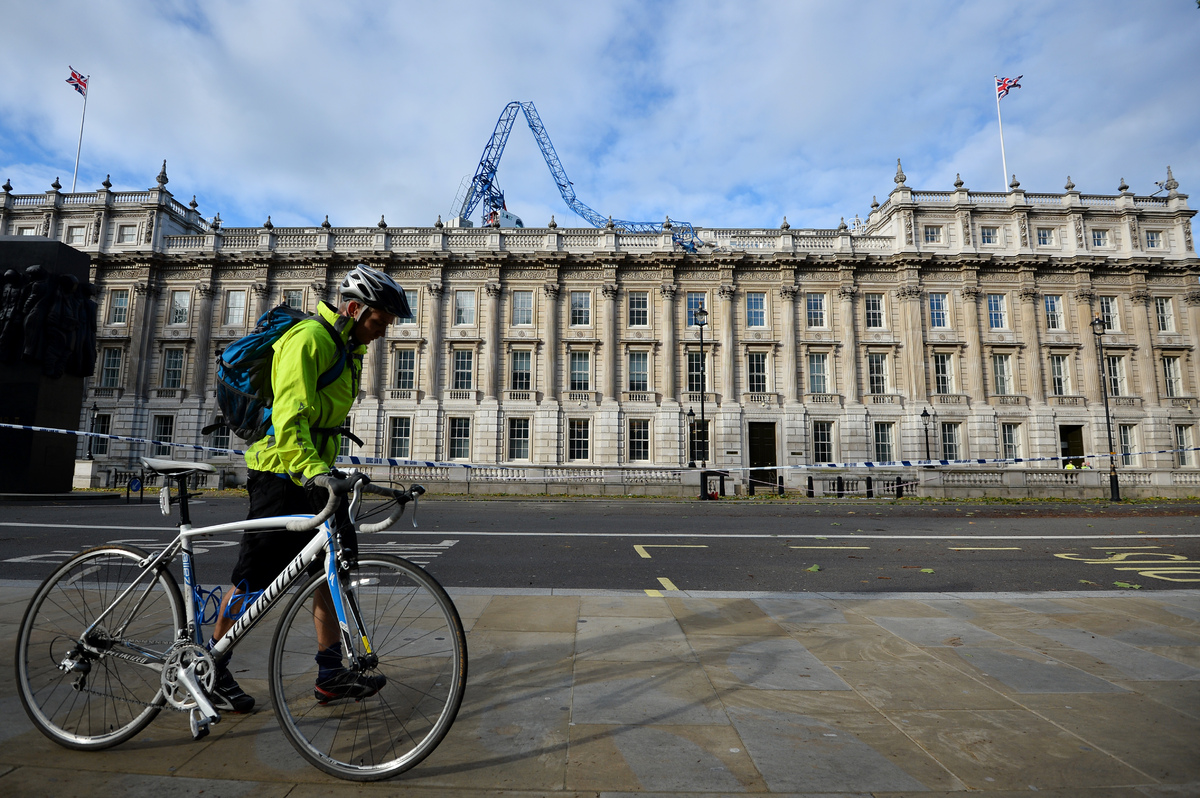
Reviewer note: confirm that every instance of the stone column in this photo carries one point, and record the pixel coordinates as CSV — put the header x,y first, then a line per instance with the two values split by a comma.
x,y
491,363
550,353
372,383
914,344
1143,317
1091,369
974,386
1033,345
204,324
141,333
433,351
728,375
1192,298
668,338
787,296
608,384
261,299
848,372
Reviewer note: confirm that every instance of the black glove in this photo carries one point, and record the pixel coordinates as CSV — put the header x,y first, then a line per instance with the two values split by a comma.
x,y
333,480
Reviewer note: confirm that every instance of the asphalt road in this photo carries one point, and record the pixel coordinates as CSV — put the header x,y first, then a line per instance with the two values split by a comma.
x,y
663,545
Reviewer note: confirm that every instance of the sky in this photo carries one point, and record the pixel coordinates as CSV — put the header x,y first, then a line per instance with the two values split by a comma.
x,y
723,114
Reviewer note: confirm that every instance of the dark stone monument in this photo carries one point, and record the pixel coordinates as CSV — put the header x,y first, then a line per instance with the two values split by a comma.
x,y
38,386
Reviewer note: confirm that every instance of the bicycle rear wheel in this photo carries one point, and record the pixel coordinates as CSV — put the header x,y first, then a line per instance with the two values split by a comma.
x,y
418,638
114,691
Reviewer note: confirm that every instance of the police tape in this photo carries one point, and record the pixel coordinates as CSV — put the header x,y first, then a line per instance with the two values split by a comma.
x,y
400,462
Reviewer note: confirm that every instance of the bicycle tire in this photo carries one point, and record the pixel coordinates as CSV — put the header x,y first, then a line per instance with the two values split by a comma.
x,y
422,649
120,696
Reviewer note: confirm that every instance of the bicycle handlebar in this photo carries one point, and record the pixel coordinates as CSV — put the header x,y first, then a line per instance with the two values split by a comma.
x,y
402,498
338,487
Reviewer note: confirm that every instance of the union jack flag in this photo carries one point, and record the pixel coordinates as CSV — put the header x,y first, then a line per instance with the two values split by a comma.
x,y
1005,85
78,81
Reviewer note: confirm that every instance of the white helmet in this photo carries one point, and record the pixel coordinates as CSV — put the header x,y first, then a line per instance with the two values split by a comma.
x,y
375,289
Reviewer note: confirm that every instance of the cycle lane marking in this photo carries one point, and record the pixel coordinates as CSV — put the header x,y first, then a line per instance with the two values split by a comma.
x,y
1168,568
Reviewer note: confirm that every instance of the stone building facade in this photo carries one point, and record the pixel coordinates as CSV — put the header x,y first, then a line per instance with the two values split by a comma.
x,y
950,322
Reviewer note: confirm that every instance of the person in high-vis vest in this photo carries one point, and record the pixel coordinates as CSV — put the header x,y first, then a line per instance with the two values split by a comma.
x,y
303,443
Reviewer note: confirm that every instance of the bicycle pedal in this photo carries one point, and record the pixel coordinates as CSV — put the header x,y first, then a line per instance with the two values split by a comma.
x,y
199,727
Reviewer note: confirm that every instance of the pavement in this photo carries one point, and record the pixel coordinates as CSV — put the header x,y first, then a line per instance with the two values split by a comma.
x,y
607,694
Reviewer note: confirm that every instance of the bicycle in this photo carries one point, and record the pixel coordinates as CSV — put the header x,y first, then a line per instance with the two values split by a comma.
x,y
108,640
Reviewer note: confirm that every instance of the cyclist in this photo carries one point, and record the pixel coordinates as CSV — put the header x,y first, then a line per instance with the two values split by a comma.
x,y
303,443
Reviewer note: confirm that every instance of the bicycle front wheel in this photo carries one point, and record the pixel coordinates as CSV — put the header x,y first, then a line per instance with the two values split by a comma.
x,y
97,689
418,638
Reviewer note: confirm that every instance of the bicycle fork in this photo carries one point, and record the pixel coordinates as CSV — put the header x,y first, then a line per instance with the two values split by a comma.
x,y
368,659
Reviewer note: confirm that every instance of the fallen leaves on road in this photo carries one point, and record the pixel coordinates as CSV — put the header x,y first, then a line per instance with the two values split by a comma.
x,y
814,568
1127,585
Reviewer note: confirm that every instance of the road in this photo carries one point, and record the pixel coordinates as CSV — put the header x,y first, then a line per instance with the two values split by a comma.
x,y
662,545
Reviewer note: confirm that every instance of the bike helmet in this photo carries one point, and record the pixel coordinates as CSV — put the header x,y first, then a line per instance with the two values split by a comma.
x,y
375,289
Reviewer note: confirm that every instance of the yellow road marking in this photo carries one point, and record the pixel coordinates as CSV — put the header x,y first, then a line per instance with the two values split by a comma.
x,y
641,549
1114,548
985,548
829,547
666,583
654,593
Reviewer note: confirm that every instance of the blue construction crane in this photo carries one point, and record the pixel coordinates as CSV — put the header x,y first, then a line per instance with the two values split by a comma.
x,y
483,188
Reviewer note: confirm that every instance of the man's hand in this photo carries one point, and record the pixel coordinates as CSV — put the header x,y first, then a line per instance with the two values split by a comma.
x,y
334,481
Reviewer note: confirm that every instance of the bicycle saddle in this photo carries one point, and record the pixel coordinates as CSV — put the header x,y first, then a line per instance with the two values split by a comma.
x,y
175,468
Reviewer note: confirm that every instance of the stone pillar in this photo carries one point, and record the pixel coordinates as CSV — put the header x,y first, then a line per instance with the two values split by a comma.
x,y
142,327
204,324
974,371
550,353
1192,298
1091,370
261,299
372,383
433,352
728,376
914,344
1143,317
1033,345
608,383
668,338
848,373
491,363
787,296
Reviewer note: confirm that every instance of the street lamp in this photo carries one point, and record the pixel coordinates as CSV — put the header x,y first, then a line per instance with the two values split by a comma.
x,y
925,422
691,415
92,429
1114,488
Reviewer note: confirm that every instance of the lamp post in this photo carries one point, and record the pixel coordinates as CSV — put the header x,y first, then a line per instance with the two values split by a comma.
x,y
92,429
925,422
1113,486
691,416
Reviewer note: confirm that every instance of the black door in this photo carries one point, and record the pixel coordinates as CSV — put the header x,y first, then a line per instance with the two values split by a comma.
x,y
762,454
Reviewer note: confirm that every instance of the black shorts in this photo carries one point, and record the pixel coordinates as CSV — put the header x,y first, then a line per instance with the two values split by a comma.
x,y
262,556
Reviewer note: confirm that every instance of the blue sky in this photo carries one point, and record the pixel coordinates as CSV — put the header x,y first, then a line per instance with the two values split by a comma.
x,y
725,114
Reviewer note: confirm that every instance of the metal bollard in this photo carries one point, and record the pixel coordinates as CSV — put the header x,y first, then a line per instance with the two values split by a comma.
x,y
870,489
841,487
810,488
899,489
781,486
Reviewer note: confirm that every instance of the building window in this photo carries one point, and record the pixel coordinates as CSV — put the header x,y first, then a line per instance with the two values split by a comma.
x,y
110,369
756,309
1099,238
464,370
1116,375
877,380
118,305
1060,375
344,440
235,307
639,371
933,234
950,450
172,374
639,308
1010,440
26,231
294,298
522,308
1171,376
943,372
756,372
75,235
816,310
581,371
460,438
1153,239
104,427
1109,314
180,302
577,439
1002,372
1045,236
1125,436
518,439
989,235
937,311
1183,443
874,305
126,233
883,442
818,372
464,307
581,308
699,437
410,298
521,371
997,311
695,301
1166,314
220,438
1054,312
695,372
400,438
164,433
406,369
639,439
822,442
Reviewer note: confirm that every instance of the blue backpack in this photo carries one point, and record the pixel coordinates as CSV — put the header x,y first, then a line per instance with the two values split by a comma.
x,y
244,374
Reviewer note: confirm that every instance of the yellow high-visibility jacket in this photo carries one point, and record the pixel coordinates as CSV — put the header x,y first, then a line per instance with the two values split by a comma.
x,y
302,355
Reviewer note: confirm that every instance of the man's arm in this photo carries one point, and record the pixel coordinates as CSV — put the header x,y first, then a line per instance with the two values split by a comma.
x,y
294,372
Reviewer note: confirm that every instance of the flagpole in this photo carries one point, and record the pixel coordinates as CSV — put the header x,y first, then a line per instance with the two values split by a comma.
x,y
1003,160
81,121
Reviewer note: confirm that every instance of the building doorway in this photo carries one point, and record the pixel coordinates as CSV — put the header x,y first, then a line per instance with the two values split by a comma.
x,y
762,454
1070,438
